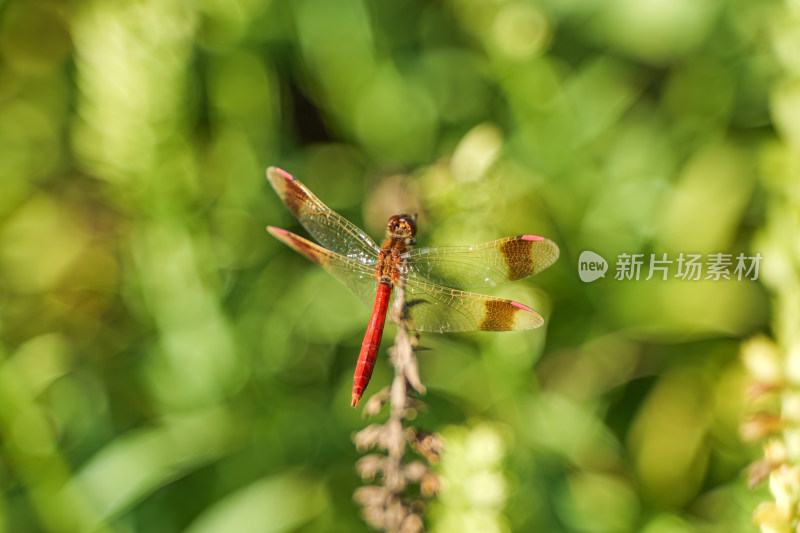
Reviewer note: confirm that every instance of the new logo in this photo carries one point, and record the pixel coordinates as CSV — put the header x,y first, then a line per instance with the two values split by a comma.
x,y
591,266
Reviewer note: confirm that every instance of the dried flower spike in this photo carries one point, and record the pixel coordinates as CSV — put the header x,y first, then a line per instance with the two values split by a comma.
x,y
387,507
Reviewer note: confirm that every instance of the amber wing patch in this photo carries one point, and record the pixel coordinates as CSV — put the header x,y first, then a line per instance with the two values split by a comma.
x,y
517,255
499,316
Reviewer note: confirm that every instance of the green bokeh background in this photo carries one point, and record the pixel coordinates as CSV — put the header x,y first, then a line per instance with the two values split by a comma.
x,y
167,366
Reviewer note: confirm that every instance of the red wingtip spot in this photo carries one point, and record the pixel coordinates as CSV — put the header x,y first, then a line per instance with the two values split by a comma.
x,y
520,306
277,231
284,173
532,238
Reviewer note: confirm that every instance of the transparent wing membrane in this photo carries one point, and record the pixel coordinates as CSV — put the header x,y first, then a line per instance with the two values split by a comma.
x,y
328,227
484,265
432,305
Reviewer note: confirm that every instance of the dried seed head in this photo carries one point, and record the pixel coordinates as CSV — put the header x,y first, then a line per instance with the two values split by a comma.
x,y
790,407
415,471
371,495
784,483
430,485
413,407
775,452
412,524
369,437
759,426
394,478
762,360
792,364
370,466
383,507
411,373
770,515
758,391
376,402
396,513
758,472
428,445
375,517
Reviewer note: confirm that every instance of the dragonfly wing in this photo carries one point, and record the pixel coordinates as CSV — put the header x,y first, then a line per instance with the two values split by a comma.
x,y
432,307
484,265
358,276
328,228
429,306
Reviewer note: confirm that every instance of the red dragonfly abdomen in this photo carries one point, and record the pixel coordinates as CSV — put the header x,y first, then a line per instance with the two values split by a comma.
x,y
372,341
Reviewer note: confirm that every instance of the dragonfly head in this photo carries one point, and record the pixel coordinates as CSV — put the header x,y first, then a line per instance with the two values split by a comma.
x,y
402,227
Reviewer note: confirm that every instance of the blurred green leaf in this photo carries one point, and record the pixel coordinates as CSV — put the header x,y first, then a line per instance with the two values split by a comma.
x,y
271,505
168,366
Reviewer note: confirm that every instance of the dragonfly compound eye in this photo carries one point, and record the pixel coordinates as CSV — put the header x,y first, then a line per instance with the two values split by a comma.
x,y
402,226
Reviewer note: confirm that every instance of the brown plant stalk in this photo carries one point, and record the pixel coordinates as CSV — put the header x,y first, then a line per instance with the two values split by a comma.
x,y
386,505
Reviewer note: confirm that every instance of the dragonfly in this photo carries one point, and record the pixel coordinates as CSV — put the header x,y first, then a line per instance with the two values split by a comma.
x,y
429,275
